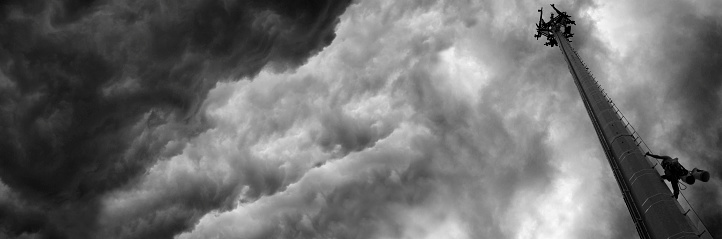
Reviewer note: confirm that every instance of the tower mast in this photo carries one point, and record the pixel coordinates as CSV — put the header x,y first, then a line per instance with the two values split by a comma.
x,y
656,214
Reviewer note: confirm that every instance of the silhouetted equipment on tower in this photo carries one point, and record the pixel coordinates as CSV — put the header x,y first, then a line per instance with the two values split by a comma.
x,y
547,29
656,214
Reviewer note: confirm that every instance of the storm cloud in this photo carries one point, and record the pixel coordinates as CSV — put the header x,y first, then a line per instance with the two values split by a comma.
x,y
95,92
327,119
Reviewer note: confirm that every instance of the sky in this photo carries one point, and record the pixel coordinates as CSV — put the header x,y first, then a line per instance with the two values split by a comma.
x,y
342,119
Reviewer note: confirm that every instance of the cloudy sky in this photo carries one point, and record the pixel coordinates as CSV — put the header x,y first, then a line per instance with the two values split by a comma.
x,y
341,119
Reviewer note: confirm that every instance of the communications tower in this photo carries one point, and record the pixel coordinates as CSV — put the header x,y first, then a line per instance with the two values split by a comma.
x,y
656,214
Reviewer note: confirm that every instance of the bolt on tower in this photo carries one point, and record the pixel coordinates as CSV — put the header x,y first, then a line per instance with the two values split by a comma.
x,y
656,214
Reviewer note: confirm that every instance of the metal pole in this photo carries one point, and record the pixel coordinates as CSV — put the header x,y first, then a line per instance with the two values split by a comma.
x,y
654,211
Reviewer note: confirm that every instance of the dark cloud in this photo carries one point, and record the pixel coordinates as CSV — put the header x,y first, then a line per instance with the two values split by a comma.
x,y
94,92
423,117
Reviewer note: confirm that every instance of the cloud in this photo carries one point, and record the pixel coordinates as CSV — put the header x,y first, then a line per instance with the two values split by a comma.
x,y
402,113
441,157
94,93
421,119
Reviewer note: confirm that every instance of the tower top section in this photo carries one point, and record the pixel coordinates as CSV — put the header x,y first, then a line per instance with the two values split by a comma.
x,y
555,25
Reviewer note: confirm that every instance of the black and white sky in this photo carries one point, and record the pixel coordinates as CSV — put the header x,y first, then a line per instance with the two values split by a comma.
x,y
340,118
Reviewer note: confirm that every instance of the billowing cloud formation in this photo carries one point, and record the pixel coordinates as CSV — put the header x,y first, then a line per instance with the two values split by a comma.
x,y
405,127
422,119
95,92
